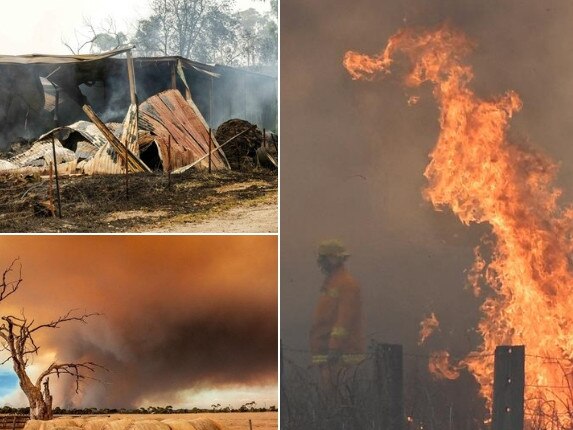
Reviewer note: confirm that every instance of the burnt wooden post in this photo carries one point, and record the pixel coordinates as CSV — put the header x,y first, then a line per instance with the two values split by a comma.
x,y
133,100
211,122
210,151
389,372
56,174
169,161
174,76
57,124
508,387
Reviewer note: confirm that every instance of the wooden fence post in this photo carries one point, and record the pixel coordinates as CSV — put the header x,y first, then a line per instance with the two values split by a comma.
x,y
508,387
389,373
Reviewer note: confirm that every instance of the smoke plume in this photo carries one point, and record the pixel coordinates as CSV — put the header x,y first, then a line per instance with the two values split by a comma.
x,y
180,314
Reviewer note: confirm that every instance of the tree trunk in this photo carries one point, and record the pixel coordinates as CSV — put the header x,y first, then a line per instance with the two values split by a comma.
x,y
40,403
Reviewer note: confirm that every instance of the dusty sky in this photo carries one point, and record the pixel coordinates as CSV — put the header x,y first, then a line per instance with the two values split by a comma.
x,y
188,321
353,166
38,26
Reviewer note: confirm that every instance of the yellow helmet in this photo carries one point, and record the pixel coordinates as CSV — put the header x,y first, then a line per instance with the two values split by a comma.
x,y
333,248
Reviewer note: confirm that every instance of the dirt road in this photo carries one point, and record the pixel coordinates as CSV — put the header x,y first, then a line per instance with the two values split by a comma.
x,y
252,219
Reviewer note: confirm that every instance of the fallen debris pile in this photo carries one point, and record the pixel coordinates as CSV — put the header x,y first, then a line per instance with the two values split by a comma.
x,y
172,134
242,152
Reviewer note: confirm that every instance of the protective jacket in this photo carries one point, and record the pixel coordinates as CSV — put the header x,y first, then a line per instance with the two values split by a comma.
x,y
337,323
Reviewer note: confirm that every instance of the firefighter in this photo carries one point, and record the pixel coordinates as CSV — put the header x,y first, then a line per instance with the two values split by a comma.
x,y
336,338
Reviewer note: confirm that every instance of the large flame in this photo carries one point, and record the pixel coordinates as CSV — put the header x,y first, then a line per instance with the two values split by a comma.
x,y
484,178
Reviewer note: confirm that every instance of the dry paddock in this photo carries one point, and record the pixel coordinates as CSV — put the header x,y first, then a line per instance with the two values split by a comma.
x,y
98,203
219,421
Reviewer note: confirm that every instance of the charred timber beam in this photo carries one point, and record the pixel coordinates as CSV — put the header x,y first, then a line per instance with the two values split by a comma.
x,y
135,164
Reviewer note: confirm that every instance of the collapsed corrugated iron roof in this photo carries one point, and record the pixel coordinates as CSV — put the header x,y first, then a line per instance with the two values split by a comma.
x,y
171,119
169,125
60,59
29,83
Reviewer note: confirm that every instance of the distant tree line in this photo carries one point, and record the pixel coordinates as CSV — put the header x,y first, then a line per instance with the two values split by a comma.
x,y
208,31
149,410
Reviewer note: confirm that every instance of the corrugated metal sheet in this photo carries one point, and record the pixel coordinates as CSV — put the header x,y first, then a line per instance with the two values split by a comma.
x,y
85,150
105,160
59,59
86,128
168,114
40,154
7,165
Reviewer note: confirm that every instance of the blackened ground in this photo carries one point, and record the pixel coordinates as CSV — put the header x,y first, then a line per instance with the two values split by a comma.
x,y
98,203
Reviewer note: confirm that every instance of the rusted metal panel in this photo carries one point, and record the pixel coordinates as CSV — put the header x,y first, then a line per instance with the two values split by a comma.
x,y
169,114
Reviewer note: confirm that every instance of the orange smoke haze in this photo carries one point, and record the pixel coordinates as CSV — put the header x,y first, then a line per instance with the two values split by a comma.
x,y
523,273
180,312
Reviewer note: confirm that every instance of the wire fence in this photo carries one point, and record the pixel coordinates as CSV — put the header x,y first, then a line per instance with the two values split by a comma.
x,y
349,397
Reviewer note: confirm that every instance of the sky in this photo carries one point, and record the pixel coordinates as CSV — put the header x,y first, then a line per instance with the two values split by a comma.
x,y
186,321
39,26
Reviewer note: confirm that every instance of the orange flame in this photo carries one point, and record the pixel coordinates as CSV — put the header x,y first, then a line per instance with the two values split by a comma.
x,y
441,367
484,178
427,327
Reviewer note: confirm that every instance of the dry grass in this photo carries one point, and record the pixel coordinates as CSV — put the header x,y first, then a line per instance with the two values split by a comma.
x,y
98,203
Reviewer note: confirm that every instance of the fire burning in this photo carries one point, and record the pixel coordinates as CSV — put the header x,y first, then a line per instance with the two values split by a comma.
x,y
523,271
427,327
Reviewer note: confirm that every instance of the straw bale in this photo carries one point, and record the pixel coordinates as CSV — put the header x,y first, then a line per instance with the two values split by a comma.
x,y
206,424
97,423
60,427
121,424
149,425
58,423
33,425
179,424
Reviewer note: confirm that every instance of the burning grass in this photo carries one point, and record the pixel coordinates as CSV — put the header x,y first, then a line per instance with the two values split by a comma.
x,y
98,203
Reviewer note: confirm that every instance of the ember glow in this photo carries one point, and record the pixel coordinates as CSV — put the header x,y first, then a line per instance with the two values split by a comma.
x,y
522,271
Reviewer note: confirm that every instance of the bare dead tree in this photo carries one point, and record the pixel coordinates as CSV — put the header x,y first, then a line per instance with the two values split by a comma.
x,y
96,37
17,340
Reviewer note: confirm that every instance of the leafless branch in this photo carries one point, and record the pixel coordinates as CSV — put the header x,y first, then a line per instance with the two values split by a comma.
x,y
72,369
67,317
10,286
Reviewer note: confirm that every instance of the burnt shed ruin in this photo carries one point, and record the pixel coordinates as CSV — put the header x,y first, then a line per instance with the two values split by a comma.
x,y
85,103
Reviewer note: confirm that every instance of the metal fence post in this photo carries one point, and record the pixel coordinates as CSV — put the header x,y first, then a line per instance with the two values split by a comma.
x,y
389,373
508,388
